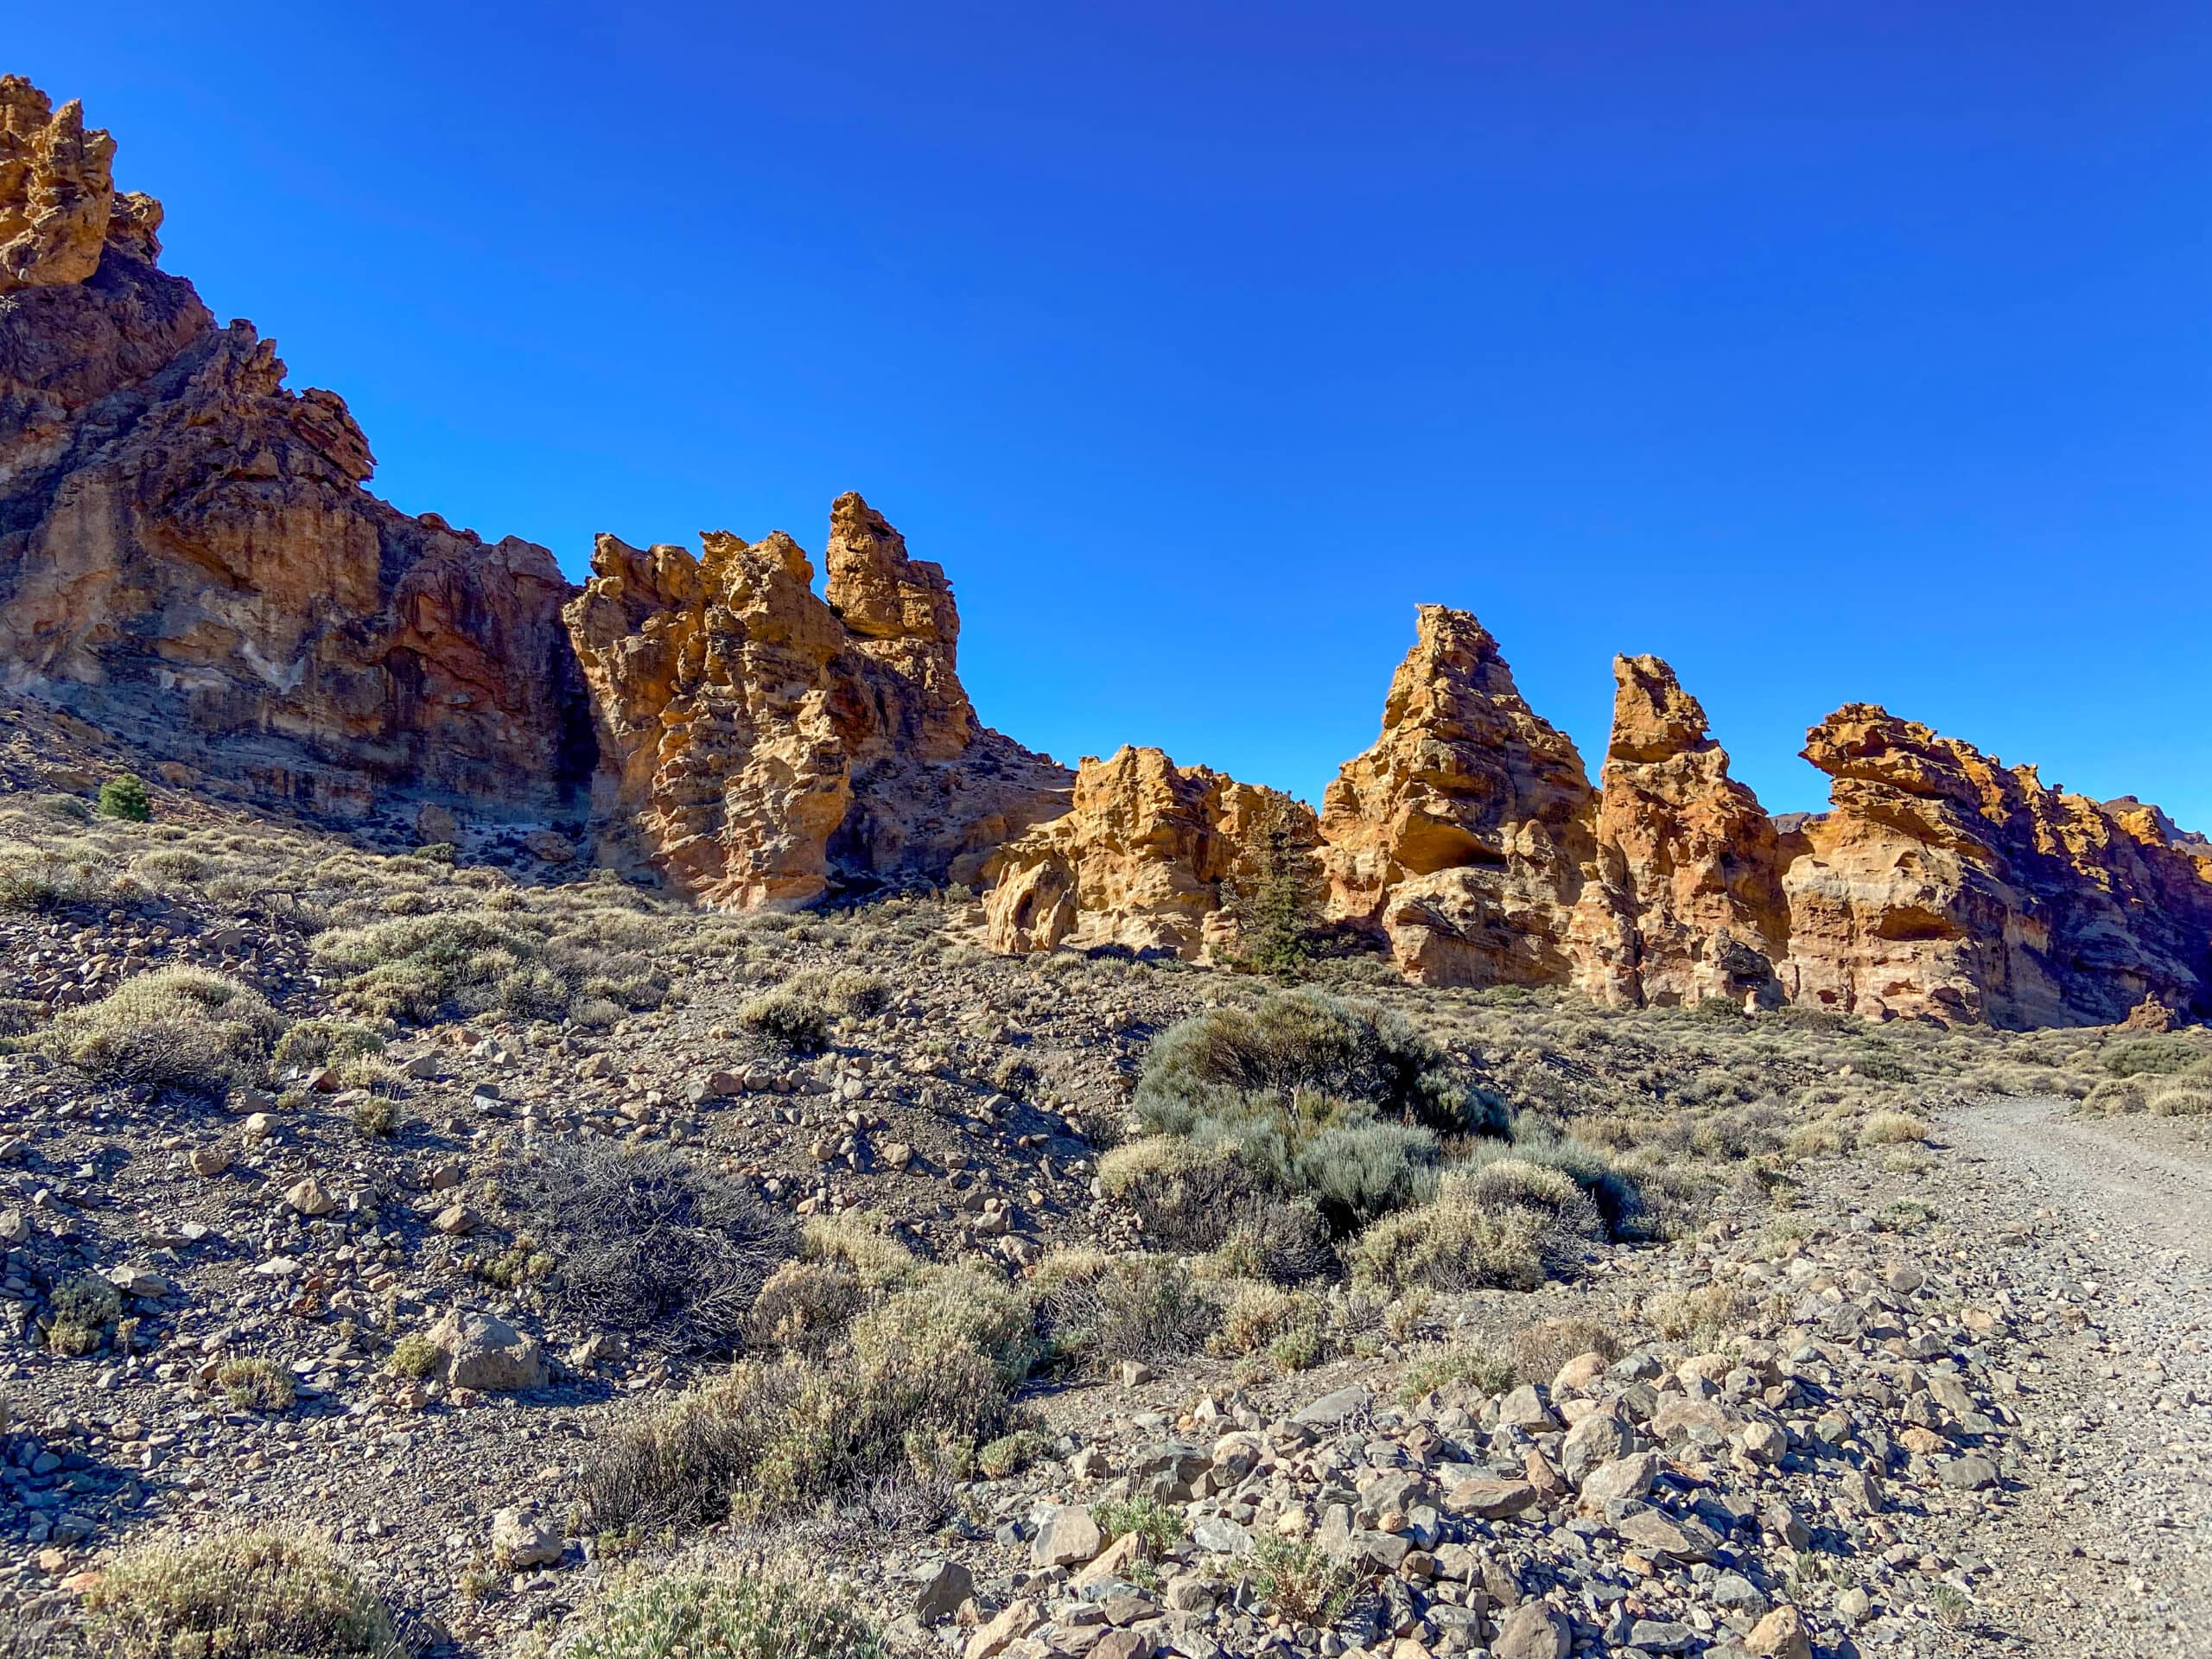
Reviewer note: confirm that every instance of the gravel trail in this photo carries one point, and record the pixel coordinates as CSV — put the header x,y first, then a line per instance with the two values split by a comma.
x,y
2111,1549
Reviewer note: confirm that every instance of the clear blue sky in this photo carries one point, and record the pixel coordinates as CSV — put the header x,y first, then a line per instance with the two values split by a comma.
x,y
1834,351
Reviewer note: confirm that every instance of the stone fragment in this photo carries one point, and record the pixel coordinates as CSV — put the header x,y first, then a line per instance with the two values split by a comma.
x,y
519,1539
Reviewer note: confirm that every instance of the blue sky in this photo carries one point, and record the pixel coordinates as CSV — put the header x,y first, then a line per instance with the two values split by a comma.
x,y
1835,351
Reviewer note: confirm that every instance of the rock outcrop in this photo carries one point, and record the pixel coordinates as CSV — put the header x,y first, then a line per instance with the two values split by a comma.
x,y
762,745
1943,884
187,555
1142,858
1687,903
1465,833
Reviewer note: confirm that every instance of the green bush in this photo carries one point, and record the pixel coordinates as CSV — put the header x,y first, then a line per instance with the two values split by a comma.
x,y
753,1611
1159,1525
1292,1045
174,1029
788,1017
126,798
1301,1581
2142,1055
1358,1172
240,1595
84,1310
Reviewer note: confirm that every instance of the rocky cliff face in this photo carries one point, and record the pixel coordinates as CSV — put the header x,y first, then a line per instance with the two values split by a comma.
x,y
189,558
1945,885
1142,858
187,554
763,744
1465,832
1686,901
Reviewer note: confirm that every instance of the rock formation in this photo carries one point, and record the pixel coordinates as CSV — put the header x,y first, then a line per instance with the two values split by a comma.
x,y
763,744
187,554
1687,903
1141,859
1465,832
1945,885
189,560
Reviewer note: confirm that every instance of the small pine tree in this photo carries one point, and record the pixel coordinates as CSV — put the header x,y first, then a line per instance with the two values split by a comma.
x,y
126,798
1273,894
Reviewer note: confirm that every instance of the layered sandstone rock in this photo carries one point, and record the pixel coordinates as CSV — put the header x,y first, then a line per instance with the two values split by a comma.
x,y
1687,903
187,555
1945,885
762,745
56,190
1146,856
1465,833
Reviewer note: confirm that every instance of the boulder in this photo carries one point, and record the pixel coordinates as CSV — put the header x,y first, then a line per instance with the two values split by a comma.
x,y
487,1354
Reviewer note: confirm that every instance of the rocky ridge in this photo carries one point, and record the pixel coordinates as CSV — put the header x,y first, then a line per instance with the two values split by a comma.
x,y
189,560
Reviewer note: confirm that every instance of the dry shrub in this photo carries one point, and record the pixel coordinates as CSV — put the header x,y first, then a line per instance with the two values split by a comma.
x,y
646,1242
742,1610
181,1029
1193,1199
1540,1350
2181,1100
239,1595
1453,1243
1705,1315
889,1418
1097,1309
1892,1129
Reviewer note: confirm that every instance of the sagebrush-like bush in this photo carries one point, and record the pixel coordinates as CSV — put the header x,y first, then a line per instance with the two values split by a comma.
x,y
174,1029
1096,1309
1296,1044
241,1595
749,1610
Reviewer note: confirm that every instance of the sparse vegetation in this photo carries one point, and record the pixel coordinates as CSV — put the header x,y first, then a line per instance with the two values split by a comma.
x,y
646,1241
252,1383
174,1029
741,1610
239,1595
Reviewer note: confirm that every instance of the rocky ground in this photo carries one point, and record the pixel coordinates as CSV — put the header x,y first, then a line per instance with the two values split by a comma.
x,y
1877,1393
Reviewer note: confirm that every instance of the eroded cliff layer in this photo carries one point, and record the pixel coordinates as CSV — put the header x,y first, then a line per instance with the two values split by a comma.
x,y
763,744
1945,884
1149,856
187,554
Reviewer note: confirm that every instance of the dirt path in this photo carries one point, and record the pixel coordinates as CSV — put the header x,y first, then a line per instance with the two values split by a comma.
x,y
2111,1545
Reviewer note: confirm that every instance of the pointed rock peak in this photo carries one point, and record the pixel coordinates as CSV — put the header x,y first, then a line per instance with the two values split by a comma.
x,y
880,591
1451,646
58,204
1653,717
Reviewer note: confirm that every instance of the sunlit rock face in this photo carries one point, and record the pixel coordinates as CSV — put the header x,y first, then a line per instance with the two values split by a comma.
x,y
187,555
763,744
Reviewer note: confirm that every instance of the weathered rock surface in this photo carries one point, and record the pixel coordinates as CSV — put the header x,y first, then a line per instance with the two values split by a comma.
x,y
1141,858
762,741
56,189
187,554
1466,832
1944,884
1688,902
